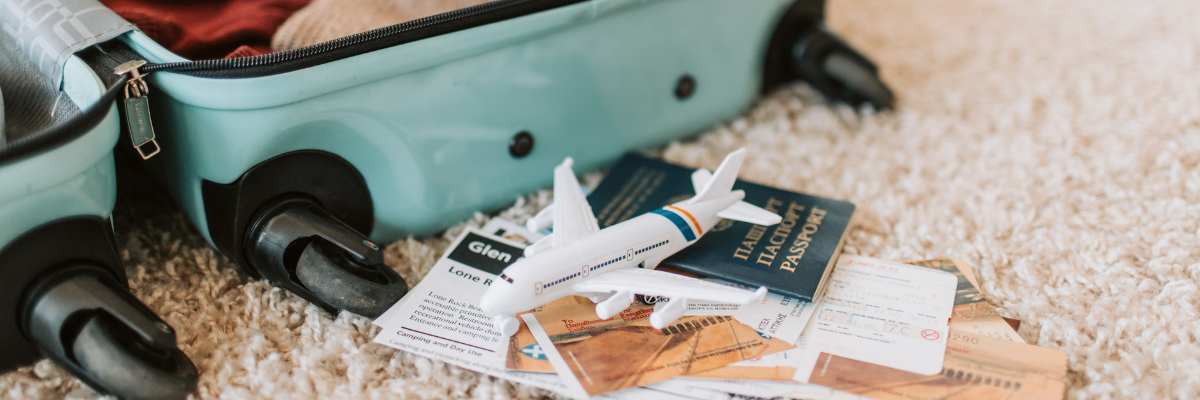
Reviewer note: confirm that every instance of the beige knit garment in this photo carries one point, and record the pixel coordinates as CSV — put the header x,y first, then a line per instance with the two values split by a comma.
x,y
325,20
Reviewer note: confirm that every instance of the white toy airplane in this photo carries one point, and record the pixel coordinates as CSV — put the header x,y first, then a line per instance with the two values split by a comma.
x,y
611,265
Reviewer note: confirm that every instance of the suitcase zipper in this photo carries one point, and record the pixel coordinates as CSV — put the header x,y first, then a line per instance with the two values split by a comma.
x,y
137,113
137,109
360,43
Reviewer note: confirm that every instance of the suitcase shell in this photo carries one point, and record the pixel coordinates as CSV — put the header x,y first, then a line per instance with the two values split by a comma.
x,y
295,163
429,123
76,180
63,289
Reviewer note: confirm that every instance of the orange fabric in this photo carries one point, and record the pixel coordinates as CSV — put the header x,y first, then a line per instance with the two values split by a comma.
x,y
204,30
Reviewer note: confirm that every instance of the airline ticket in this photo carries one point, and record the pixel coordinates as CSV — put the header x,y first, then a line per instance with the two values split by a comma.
x,y
881,312
972,312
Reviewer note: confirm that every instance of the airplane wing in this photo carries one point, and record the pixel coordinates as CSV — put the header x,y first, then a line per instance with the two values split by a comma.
x,y
743,211
573,217
659,283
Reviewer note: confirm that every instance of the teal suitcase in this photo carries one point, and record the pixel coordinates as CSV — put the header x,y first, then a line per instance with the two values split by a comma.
x,y
63,290
294,164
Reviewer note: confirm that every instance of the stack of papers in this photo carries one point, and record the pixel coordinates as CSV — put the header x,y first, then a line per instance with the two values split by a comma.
x,y
882,329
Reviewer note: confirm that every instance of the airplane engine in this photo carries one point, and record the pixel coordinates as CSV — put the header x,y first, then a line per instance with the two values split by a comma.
x,y
508,324
666,313
544,219
614,304
544,244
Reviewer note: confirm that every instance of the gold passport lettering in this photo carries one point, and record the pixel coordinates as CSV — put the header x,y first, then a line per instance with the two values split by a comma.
x,y
752,238
791,219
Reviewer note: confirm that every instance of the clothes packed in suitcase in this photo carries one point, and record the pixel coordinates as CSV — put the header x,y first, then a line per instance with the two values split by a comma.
x,y
297,134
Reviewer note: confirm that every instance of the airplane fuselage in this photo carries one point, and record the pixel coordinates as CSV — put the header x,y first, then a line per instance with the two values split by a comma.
x,y
640,242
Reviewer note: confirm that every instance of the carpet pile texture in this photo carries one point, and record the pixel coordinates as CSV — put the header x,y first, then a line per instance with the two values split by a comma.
x,y
1055,145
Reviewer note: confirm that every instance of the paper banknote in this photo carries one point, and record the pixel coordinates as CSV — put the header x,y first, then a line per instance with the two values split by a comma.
x,y
779,367
781,374
777,316
731,389
524,352
972,312
976,367
596,355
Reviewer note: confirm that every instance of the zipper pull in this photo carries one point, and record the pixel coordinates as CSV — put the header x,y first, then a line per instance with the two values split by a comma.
x,y
137,109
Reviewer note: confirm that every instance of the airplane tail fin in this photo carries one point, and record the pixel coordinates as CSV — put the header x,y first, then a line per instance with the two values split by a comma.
x,y
718,184
711,185
700,178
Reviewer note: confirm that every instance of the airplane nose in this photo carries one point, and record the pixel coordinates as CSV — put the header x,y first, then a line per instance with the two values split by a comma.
x,y
491,299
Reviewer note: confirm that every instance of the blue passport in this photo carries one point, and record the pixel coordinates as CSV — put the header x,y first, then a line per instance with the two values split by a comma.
x,y
793,257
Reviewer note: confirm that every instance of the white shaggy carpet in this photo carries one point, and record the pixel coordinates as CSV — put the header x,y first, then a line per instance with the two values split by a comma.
x,y
1053,144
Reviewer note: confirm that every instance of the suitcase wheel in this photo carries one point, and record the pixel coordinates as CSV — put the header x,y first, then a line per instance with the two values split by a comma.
x,y
112,356
83,319
859,80
837,70
300,247
366,290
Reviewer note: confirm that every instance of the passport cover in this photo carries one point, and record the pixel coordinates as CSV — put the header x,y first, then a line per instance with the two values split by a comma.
x,y
792,257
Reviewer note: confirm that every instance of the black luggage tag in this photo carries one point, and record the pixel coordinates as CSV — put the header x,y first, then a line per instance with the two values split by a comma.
x,y
137,110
